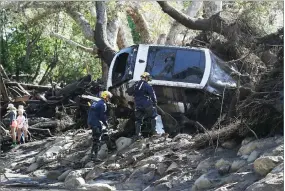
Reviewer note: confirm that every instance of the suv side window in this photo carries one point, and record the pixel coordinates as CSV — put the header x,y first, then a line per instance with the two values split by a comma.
x,y
176,64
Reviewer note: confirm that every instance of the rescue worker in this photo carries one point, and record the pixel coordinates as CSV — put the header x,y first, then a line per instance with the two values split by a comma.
x,y
145,104
97,117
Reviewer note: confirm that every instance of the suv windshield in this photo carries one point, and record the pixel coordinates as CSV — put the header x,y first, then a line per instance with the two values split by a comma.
x,y
176,64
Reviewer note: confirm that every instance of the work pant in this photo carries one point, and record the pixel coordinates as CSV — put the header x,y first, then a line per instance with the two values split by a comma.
x,y
145,113
96,136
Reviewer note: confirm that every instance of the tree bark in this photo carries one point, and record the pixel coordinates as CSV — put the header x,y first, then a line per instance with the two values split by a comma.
x,y
233,31
176,27
112,31
141,24
82,23
105,51
121,38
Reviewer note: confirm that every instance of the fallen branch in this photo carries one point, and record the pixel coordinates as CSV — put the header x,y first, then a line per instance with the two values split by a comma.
x,y
39,131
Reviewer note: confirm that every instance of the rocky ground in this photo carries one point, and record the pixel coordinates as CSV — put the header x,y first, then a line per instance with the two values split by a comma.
x,y
63,163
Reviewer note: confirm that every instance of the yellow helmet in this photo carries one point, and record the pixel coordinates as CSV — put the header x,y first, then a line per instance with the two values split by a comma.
x,y
146,75
106,94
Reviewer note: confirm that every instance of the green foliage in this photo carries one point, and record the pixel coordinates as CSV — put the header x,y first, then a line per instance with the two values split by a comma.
x,y
135,34
71,65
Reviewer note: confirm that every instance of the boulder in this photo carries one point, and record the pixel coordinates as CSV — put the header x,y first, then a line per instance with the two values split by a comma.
x,y
53,151
247,140
161,168
103,152
89,164
172,167
123,142
253,155
277,151
33,167
53,175
237,164
261,144
63,175
40,173
272,182
207,181
74,182
151,160
265,164
94,173
220,163
229,144
206,164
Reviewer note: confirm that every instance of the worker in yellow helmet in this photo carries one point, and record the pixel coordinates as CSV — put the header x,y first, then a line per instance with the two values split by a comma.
x,y
145,103
97,117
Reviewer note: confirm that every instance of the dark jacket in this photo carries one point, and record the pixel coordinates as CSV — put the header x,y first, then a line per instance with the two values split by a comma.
x,y
12,116
144,94
97,113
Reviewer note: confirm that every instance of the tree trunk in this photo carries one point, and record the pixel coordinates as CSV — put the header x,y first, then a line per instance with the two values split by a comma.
x,y
105,51
112,31
141,24
121,39
176,27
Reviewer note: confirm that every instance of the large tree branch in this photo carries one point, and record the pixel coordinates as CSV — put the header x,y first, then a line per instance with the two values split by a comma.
x,y
105,50
233,31
75,44
141,24
82,23
176,27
